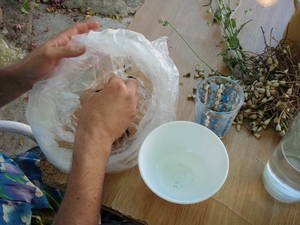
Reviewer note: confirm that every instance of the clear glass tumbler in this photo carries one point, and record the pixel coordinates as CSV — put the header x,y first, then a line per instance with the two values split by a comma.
x,y
218,100
281,175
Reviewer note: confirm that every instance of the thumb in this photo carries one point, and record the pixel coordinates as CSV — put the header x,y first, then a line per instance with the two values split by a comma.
x,y
66,51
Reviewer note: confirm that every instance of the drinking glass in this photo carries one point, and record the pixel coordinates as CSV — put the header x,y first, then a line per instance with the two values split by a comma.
x,y
218,100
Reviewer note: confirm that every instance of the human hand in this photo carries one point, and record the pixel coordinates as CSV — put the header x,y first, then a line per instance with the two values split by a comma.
x,y
40,64
110,111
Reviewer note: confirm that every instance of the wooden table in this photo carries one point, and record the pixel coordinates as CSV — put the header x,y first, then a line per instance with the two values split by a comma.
x,y
243,199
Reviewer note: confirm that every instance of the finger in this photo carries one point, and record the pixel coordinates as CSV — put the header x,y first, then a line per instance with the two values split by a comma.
x,y
81,28
114,80
132,86
117,84
64,52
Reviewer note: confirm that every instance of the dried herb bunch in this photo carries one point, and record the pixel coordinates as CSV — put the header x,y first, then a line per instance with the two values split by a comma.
x,y
272,93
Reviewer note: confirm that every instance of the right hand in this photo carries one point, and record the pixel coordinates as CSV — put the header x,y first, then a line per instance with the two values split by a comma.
x,y
110,111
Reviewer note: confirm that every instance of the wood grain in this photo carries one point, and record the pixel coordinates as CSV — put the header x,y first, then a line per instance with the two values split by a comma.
x,y
243,199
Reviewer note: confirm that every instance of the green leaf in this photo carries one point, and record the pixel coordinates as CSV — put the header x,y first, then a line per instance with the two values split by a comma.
x,y
26,5
34,4
233,23
234,43
243,25
23,10
163,22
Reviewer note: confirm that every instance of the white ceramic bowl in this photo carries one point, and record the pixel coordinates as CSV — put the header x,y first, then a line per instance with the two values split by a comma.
x,y
183,162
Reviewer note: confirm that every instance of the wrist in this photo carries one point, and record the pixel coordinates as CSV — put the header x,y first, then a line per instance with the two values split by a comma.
x,y
17,75
93,140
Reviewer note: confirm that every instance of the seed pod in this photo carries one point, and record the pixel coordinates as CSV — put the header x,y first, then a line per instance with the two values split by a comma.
x,y
278,104
260,112
282,82
253,116
256,94
264,100
268,93
261,90
276,120
240,122
257,135
248,111
254,129
259,84
259,129
272,67
266,122
269,61
289,91
285,95
191,97
278,127
273,92
238,127
283,116
240,116
187,75
282,133
275,84
270,98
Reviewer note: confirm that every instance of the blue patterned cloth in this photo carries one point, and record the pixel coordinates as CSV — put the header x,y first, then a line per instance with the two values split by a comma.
x,y
21,189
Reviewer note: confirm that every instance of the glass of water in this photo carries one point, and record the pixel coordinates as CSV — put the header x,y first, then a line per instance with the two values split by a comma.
x,y
218,100
281,175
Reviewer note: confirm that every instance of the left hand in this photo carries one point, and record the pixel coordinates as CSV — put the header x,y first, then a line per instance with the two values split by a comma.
x,y
40,64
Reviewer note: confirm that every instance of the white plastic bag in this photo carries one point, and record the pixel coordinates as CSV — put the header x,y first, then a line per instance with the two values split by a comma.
x,y
53,102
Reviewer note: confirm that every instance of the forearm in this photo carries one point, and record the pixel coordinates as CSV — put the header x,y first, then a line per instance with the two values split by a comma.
x,y
11,84
82,201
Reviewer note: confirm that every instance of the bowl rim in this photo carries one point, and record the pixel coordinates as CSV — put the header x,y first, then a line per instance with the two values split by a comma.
x,y
169,199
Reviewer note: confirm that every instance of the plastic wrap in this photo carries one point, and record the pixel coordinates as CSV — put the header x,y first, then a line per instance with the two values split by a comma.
x,y
54,103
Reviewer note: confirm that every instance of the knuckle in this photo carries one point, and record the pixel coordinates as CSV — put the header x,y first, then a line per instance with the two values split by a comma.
x,y
119,84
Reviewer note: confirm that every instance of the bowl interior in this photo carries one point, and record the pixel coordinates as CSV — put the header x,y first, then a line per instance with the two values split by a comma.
x,y
183,162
